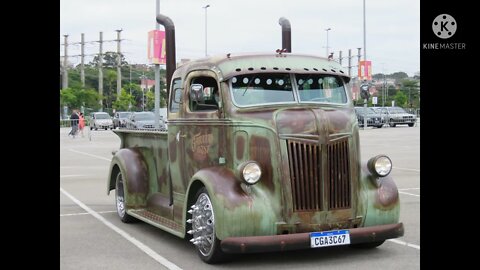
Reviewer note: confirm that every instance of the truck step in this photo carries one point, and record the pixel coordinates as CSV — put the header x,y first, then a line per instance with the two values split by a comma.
x,y
158,221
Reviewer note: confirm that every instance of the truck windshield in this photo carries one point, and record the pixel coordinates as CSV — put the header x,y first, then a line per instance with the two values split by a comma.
x,y
251,89
273,88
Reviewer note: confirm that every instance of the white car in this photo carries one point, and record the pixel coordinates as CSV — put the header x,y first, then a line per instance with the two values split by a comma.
x,y
100,120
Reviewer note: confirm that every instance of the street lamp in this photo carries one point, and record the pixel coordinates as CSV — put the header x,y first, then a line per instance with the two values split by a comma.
x,y
328,29
364,34
205,7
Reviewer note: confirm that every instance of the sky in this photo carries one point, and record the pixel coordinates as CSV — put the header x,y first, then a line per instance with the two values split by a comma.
x,y
239,26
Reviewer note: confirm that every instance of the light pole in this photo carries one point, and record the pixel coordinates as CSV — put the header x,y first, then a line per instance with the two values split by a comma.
x,y
364,34
328,29
205,7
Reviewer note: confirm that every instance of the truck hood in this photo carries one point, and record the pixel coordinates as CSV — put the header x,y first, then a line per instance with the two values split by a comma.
x,y
307,122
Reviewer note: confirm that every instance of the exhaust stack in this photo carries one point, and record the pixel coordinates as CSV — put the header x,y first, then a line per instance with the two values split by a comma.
x,y
286,34
170,46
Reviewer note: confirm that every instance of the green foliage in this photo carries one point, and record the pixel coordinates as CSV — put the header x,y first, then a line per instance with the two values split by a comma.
x,y
150,101
109,60
400,99
77,97
124,102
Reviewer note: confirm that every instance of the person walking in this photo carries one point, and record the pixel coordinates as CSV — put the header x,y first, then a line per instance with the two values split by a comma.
x,y
74,121
81,123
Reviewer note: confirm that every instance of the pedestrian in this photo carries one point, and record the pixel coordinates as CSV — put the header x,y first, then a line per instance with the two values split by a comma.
x,y
74,122
81,123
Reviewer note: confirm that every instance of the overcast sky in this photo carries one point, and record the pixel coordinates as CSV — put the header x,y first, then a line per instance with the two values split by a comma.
x,y
392,28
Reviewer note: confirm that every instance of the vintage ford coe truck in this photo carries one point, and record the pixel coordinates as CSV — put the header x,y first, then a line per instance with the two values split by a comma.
x,y
261,154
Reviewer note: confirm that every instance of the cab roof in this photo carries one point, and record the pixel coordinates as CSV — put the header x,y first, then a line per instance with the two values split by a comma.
x,y
229,65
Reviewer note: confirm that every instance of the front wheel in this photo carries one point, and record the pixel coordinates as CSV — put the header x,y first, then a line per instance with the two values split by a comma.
x,y
120,200
203,229
392,124
411,124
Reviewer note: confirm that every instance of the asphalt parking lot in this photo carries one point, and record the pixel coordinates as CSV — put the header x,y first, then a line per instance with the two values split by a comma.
x,y
93,237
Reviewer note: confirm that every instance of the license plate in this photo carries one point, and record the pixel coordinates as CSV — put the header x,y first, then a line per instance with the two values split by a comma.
x,y
331,238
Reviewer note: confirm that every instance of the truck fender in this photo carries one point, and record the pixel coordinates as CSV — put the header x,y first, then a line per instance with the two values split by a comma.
x,y
381,202
130,162
235,210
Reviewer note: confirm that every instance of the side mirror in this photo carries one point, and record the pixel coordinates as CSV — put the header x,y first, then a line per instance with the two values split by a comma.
x,y
177,98
196,92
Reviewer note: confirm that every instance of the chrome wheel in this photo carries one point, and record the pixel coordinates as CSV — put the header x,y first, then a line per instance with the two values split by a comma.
x,y
119,196
203,224
120,200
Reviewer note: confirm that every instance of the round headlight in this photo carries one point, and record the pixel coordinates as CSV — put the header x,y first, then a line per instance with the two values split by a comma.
x,y
251,173
380,165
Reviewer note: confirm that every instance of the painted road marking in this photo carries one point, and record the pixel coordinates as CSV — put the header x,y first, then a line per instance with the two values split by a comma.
x,y
150,252
404,243
406,169
80,214
411,194
87,154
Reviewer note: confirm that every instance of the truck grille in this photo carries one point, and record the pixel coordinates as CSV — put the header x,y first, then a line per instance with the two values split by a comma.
x,y
305,162
338,175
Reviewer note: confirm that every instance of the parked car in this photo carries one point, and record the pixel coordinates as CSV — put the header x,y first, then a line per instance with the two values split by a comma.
x,y
396,116
120,119
143,120
373,119
100,120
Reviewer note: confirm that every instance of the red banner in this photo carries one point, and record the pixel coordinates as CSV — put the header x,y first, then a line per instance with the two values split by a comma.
x,y
156,47
365,70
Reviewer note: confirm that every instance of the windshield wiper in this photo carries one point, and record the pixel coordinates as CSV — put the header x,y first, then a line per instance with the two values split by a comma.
x,y
248,85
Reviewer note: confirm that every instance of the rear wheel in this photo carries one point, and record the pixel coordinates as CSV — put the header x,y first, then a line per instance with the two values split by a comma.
x,y
203,229
368,245
120,200
410,124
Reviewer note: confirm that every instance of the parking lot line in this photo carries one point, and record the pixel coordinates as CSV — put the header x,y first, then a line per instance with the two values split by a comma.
x,y
85,213
404,243
157,257
87,154
415,188
406,193
71,175
406,169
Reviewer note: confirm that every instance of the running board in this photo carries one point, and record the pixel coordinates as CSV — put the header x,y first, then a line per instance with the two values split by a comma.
x,y
158,221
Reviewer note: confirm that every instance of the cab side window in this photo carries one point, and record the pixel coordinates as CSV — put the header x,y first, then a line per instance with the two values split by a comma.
x,y
210,96
177,95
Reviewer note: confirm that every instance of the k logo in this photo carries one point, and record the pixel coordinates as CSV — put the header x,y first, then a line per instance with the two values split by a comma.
x,y
444,26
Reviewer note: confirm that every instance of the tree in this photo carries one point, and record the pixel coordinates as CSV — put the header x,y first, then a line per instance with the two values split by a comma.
x,y
78,97
150,100
411,89
400,99
398,75
124,102
109,60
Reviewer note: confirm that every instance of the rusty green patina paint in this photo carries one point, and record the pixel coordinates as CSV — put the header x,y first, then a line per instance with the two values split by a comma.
x,y
205,149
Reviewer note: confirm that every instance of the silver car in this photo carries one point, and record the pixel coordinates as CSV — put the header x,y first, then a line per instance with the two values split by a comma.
x,y
396,116
143,120
120,119
100,120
